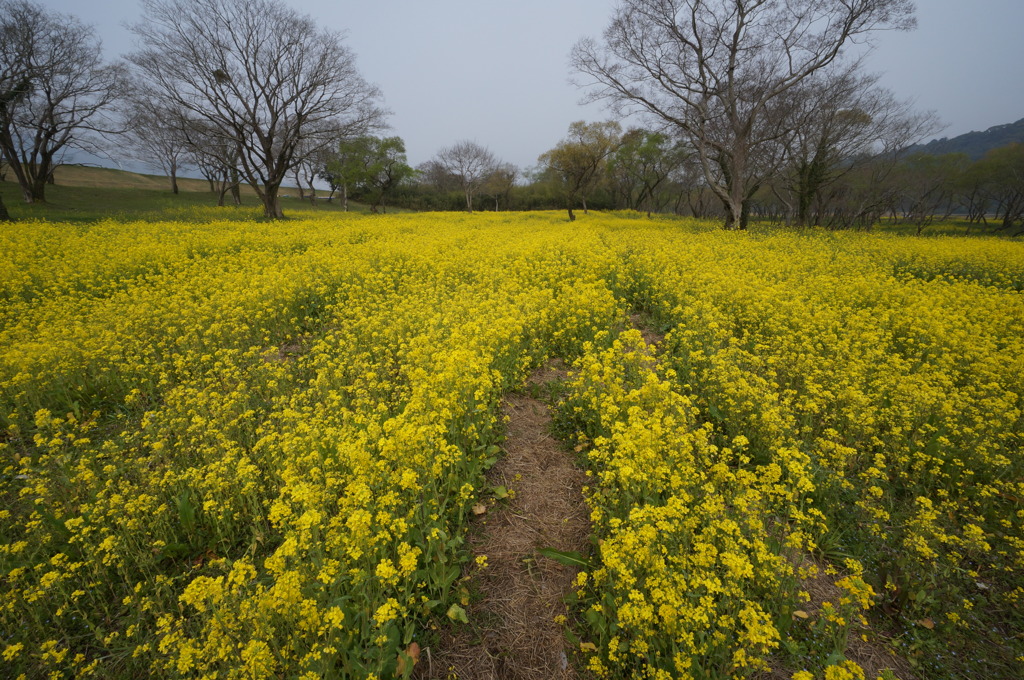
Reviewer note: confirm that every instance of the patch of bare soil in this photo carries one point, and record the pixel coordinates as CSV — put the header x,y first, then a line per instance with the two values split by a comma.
x,y
285,352
512,631
640,322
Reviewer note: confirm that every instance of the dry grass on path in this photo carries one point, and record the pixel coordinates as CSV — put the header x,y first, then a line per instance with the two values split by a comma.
x,y
512,631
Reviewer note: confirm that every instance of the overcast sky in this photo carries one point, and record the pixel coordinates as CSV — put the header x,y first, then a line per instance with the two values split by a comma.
x,y
497,72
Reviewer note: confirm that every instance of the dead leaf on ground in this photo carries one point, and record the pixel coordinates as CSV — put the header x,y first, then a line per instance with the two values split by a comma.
x,y
410,657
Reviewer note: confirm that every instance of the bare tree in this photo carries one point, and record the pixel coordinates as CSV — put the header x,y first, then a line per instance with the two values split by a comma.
x,y
720,71
470,163
216,157
311,157
1002,173
61,98
435,175
500,182
841,120
16,69
157,136
258,75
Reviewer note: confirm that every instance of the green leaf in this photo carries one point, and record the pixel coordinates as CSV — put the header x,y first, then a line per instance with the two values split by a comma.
x,y
500,492
457,613
571,637
450,575
570,559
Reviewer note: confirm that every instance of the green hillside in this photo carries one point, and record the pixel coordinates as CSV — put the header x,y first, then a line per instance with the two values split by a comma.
x,y
976,144
83,193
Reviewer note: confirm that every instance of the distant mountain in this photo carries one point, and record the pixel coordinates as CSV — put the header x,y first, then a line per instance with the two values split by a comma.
x,y
975,144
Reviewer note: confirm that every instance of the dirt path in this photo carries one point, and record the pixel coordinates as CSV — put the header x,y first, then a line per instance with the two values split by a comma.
x,y
512,631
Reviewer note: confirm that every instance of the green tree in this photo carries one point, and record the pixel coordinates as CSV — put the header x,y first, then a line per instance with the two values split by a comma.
x,y
385,168
374,166
346,166
499,184
578,162
641,167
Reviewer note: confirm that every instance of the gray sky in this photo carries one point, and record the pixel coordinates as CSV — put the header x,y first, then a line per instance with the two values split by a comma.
x,y
497,72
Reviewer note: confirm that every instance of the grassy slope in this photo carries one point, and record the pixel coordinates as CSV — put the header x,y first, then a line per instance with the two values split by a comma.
x,y
83,194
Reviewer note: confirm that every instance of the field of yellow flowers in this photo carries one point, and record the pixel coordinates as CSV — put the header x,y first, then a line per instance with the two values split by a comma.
x,y
249,450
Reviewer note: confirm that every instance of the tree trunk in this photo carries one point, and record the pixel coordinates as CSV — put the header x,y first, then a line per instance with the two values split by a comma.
x,y
572,215
236,191
4,215
174,178
37,190
271,202
732,214
20,170
469,200
38,176
745,206
344,196
223,190
583,199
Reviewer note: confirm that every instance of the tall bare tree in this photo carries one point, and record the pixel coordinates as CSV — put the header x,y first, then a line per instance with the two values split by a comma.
x,y
470,163
258,75
15,68
720,71
62,97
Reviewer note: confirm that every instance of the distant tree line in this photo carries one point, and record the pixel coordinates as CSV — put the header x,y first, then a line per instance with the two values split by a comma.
x,y
917,189
846,183
738,110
